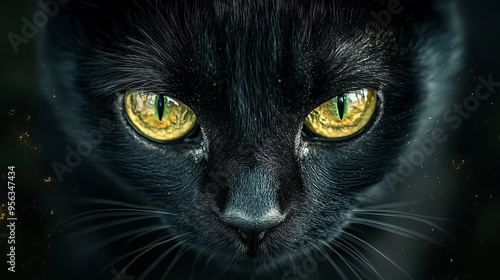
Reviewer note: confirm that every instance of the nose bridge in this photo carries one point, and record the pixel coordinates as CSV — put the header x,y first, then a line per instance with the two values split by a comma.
x,y
252,196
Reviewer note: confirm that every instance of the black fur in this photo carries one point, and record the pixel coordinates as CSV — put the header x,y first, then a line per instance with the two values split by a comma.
x,y
251,72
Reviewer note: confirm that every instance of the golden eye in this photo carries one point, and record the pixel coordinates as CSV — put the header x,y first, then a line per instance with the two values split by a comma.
x,y
343,115
158,117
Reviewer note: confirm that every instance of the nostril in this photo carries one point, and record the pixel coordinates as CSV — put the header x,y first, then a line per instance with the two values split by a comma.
x,y
251,236
245,235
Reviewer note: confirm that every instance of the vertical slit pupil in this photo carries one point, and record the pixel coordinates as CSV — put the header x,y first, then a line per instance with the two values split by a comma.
x,y
340,106
161,106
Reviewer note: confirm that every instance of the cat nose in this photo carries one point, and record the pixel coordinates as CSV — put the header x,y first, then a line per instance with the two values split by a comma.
x,y
252,207
252,228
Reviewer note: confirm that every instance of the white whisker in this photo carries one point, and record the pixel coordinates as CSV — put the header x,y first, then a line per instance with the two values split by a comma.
x,y
99,201
356,240
393,205
343,259
98,227
153,243
104,213
405,232
195,260
159,259
409,216
118,237
334,265
146,249
359,257
207,262
176,258
137,236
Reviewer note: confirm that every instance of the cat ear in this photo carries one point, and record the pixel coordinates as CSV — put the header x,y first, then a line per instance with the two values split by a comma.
x,y
422,10
78,21
89,6
411,17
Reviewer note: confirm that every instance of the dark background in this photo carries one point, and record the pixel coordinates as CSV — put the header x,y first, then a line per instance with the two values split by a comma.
x,y
26,126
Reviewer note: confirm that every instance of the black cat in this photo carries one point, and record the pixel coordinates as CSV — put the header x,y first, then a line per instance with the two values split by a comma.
x,y
241,140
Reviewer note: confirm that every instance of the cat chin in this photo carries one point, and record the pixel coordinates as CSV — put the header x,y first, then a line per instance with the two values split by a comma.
x,y
259,265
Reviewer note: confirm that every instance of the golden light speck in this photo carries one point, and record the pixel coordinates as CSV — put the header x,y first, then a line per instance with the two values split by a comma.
x,y
2,213
457,162
27,117
11,112
51,212
47,180
25,139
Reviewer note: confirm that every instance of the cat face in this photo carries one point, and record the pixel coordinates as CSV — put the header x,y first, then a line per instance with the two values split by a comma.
x,y
249,180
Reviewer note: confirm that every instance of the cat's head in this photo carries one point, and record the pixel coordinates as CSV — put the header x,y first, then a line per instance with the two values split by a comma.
x,y
285,113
